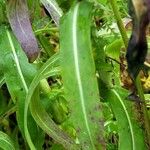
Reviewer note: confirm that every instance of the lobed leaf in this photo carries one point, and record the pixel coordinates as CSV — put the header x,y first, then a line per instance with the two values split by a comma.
x,y
79,77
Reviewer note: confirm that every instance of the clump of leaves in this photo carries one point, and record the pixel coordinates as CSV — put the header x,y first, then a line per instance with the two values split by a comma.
x,y
60,77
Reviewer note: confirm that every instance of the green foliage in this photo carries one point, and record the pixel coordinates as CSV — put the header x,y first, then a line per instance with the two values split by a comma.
x,y
126,117
6,142
80,86
70,97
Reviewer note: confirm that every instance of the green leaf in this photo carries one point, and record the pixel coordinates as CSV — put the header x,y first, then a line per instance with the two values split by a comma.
x,y
2,12
102,1
48,125
17,12
2,79
39,113
35,10
113,50
79,78
4,109
46,45
6,142
18,74
131,135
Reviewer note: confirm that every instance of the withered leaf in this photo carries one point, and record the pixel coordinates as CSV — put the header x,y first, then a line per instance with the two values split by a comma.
x,y
17,12
53,9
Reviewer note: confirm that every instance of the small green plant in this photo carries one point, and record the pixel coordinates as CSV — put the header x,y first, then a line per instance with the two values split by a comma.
x,y
60,77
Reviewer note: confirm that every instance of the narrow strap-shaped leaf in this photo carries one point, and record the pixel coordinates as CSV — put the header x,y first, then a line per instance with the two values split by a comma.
x,y
78,73
6,142
2,80
48,125
54,10
17,13
18,75
38,112
131,135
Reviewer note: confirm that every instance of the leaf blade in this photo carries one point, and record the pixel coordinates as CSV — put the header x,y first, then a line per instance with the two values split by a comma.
x,y
18,75
78,73
126,116
38,112
6,142
17,13
17,61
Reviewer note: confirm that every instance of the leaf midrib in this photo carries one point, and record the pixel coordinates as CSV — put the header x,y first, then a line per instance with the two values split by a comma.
x,y
128,118
77,70
17,61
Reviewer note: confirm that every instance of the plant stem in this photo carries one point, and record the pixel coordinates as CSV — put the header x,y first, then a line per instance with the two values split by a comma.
x,y
119,22
45,86
8,113
137,81
143,108
44,30
139,88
